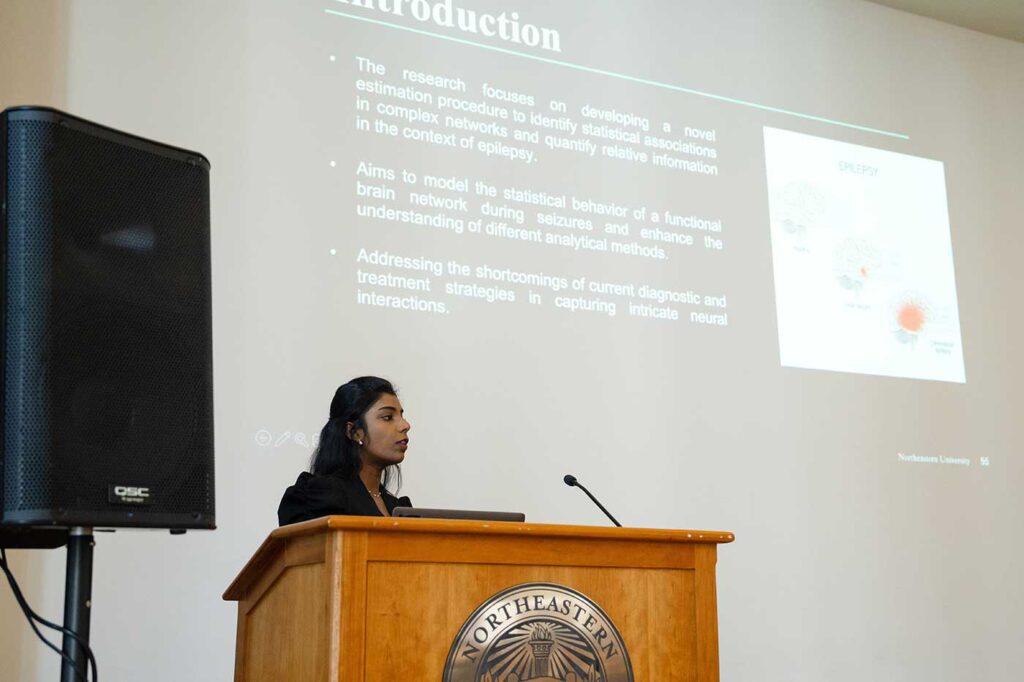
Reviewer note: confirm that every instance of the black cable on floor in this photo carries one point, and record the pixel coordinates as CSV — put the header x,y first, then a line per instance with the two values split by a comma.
x,y
33,618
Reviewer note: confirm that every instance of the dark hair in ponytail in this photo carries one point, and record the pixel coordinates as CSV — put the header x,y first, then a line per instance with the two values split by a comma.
x,y
337,454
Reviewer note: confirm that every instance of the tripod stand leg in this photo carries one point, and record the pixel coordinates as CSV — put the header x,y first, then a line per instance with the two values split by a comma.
x,y
77,601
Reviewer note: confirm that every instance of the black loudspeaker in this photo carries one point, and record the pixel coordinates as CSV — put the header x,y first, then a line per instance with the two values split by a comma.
x,y
107,353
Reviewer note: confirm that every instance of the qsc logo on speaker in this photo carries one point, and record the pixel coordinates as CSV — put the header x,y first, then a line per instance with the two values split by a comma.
x,y
128,494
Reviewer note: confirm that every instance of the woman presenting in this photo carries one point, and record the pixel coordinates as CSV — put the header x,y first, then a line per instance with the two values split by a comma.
x,y
357,459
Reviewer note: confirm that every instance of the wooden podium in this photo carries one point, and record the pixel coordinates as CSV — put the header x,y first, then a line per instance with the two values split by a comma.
x,y
344,598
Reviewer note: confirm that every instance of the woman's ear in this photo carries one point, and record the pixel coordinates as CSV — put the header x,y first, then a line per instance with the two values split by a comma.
x,y
352,433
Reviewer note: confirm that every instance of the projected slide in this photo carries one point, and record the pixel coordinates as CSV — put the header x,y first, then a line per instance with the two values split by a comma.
x,y
520,196
863,260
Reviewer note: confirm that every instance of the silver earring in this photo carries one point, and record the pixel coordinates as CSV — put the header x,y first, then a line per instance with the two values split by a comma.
x,y
360,442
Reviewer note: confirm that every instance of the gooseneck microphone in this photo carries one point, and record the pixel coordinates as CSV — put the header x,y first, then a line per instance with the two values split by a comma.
x,y
571,481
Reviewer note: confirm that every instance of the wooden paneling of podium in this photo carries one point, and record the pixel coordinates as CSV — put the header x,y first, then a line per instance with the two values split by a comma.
x,y
341,599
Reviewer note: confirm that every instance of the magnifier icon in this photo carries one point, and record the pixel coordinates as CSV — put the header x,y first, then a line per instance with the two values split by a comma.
x,y
300,439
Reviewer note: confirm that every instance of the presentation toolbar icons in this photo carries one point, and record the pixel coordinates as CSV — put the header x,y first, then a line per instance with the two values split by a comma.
x,y
268,439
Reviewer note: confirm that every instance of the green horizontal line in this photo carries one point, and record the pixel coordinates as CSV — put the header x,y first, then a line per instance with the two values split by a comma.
x,y
620,76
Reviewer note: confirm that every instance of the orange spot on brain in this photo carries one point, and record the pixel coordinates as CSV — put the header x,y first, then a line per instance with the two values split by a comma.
x,y
910,317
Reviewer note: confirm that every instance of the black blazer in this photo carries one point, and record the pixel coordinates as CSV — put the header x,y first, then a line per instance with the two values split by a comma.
x,y
314,496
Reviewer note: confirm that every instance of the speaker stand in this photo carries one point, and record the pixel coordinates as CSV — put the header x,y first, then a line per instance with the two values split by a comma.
x,y
77,602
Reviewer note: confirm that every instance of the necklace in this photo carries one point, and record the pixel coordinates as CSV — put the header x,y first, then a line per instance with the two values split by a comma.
x,y
373,494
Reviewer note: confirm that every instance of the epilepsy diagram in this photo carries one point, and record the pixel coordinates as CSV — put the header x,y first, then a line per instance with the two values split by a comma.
x,y
855,263
862,259
912,316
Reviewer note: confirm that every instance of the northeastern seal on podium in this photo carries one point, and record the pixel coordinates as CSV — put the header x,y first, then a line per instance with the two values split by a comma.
x,y
538,632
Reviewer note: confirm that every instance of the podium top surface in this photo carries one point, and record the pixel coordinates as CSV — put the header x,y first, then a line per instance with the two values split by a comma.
x,y
372,524
449,526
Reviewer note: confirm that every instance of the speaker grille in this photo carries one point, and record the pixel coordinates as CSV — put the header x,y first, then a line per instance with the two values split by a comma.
x,y
28,480
108,376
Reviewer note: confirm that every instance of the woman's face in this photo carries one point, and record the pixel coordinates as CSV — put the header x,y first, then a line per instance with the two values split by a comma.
x,y
386,437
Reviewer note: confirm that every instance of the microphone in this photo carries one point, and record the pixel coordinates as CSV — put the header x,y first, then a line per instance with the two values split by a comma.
x,y
571,481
